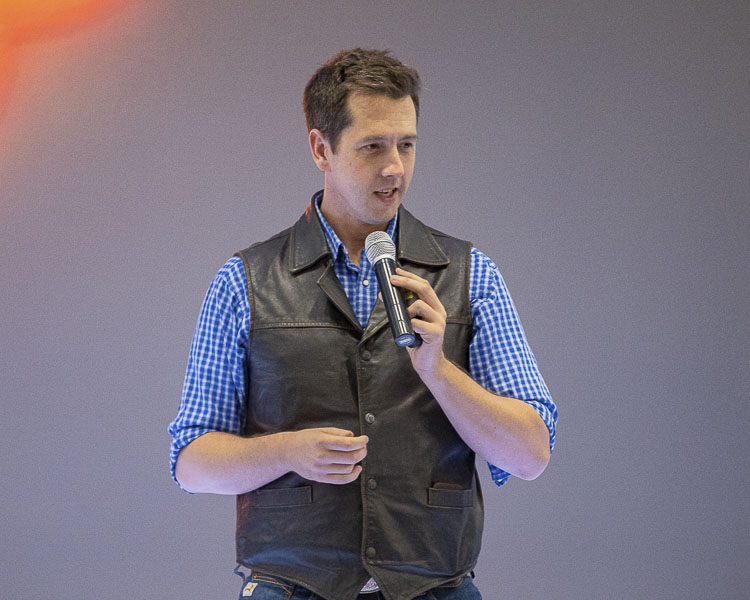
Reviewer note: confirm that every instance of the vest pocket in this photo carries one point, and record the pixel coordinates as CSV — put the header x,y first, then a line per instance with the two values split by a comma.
x,y
296,496
448,498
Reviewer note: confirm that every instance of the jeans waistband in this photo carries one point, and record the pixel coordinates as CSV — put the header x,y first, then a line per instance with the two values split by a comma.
x,y
369,588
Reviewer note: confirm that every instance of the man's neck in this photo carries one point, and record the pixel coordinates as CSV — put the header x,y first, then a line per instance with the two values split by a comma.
x,y
351,232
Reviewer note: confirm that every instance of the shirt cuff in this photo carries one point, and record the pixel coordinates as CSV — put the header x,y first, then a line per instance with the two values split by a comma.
x,y
179,442
500,477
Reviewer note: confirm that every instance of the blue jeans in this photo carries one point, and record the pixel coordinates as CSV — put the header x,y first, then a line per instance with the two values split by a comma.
x,y
265,587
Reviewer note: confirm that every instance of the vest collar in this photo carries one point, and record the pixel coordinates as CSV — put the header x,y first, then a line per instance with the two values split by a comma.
x,y
308,241
416,244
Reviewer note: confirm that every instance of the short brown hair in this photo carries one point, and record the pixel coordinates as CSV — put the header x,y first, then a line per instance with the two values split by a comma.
x,y
371,72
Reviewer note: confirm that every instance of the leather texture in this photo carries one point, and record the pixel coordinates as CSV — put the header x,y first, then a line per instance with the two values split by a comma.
x,y
413,519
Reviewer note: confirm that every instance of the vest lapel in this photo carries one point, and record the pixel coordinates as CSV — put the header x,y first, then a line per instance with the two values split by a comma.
x,y
378,320
332,288
416,245
309,247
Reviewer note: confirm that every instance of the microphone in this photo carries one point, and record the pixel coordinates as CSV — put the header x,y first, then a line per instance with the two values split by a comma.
x,y
381,252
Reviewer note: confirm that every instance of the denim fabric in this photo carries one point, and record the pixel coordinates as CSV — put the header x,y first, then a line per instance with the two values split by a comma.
x,y
265,587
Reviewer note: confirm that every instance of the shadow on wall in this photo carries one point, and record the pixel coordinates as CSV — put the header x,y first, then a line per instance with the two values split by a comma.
x,y
28,21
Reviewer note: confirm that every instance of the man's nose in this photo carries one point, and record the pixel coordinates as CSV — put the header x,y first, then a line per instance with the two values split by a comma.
x,y
395,166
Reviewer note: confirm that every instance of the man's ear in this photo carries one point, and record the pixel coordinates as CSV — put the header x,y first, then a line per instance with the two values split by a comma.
x,y
320,149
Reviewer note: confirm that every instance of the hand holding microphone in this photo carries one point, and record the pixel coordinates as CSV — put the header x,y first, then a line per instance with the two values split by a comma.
x,y
381,252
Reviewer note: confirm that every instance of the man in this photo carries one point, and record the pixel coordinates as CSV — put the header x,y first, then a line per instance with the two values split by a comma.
x,y
352,458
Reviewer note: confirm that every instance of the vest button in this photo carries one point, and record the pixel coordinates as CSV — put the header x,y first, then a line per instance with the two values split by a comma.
x,y
369,418
371,552
371,483
366,355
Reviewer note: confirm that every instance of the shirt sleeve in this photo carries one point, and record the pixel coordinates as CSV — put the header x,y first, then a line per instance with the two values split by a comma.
x,y
214,389
500,359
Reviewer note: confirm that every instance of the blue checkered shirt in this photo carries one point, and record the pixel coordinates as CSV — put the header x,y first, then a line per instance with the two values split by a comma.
x,y
213,396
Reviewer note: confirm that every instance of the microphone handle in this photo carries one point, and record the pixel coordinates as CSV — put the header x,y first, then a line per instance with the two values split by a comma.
x,y
398,316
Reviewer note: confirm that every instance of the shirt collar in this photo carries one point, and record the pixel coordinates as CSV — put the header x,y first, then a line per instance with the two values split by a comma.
x,y
334,241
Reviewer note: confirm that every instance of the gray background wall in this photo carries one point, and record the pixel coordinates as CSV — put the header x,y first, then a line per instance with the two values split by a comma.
x,y
598,151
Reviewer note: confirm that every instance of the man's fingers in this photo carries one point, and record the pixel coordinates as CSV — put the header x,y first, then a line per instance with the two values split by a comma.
x,y
341,469
346,458
341,439
420,308
345,444
328,454
419,286
336,431
424,327
342,478
412,281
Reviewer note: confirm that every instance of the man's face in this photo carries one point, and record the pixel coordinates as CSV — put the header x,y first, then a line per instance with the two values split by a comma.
x,y
368,175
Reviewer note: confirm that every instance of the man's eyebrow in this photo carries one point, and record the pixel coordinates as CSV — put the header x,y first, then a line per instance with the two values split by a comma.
x,y
380,138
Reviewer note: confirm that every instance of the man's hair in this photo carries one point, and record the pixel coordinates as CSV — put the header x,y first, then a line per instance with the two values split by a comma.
x,y
372,72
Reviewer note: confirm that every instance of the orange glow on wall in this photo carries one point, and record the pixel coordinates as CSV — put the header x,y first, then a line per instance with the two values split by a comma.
x,y
25,21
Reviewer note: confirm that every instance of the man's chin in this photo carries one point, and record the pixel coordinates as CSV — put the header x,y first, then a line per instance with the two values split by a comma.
x,y
384,215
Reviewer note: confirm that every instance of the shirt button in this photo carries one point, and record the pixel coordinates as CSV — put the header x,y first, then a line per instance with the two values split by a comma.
x,y
371,552
366,282
370,418
371,483
366,355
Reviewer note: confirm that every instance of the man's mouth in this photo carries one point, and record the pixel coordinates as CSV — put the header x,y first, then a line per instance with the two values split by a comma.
x,y
387,192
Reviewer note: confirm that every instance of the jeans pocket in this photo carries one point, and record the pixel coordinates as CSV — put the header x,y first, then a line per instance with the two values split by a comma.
x,y
266,587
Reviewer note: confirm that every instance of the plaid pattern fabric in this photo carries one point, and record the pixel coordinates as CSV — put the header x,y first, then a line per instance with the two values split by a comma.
x,y
214,390
359,283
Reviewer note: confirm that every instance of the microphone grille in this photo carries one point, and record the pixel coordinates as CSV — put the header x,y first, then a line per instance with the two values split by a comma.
x,y
379,245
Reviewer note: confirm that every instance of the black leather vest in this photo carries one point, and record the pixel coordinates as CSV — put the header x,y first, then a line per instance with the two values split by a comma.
x,y
413,519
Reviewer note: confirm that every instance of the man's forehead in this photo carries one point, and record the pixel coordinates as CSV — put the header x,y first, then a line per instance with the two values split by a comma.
x,y
382,116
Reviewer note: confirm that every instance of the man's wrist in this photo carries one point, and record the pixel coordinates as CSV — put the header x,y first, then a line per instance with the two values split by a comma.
x,y
439,374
